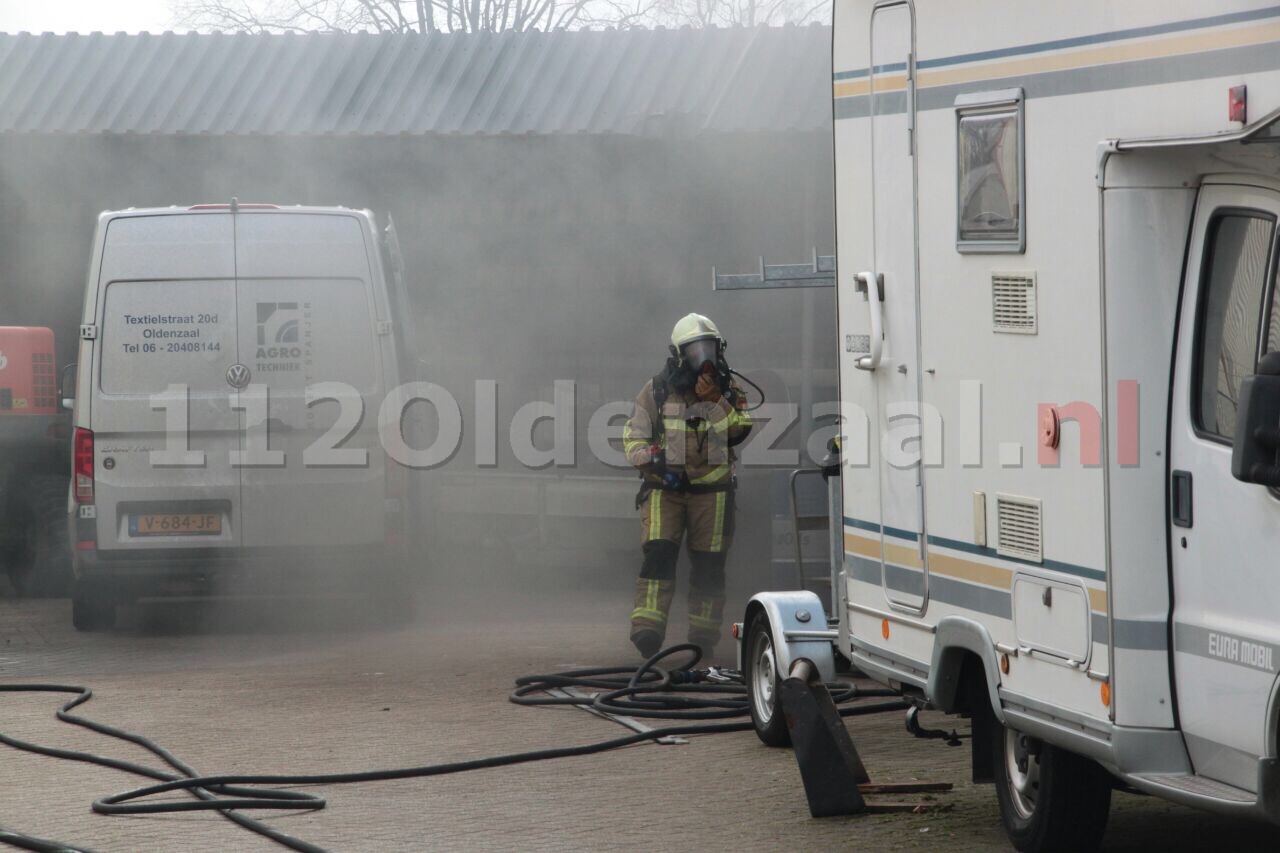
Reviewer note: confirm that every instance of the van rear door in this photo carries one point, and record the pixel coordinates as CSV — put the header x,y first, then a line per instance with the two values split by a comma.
x,y
307,317
166,315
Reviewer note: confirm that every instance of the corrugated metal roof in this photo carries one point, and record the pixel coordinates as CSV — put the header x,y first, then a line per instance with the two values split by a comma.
x,y
591,81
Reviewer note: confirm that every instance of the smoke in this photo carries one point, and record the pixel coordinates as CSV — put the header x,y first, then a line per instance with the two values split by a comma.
x,y
528,260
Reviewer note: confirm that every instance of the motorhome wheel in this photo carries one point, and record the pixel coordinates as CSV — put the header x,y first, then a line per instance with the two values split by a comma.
x,y
1051,800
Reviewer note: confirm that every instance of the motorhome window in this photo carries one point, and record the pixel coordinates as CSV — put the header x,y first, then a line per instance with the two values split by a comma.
x,y
1237,252
990,188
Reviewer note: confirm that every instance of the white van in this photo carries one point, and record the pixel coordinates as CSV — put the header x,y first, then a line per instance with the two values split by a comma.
x,y
201,465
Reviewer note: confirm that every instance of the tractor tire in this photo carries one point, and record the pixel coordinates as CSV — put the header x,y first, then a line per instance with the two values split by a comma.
x,y
49,575
16,548
92,607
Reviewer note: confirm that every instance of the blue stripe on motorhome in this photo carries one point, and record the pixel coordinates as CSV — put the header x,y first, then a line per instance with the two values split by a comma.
x,y
978,550
1141,635
1075,41
1233,61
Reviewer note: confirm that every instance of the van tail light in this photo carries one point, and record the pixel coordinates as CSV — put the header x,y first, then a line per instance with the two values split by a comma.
x,y
83,466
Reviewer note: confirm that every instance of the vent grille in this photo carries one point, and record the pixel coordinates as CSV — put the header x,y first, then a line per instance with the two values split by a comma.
x,y
1019,528
44,384
1013,302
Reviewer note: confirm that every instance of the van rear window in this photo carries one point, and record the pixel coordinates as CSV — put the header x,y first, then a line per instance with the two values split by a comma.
x,y
289,332
160,333
299,332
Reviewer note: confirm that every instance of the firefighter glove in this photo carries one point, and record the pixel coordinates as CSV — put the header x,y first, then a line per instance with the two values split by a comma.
x,y
707,389
674,480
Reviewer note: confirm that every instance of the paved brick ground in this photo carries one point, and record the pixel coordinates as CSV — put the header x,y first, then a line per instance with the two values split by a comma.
x,y
233,688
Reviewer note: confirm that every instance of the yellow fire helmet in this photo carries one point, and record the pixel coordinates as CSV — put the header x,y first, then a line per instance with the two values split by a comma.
x,y
694,327
696,342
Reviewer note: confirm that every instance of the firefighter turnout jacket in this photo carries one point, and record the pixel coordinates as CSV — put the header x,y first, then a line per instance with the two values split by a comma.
x,y
695,436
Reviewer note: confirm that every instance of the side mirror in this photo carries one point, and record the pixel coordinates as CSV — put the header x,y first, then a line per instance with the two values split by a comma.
x,y
1255,457
67,387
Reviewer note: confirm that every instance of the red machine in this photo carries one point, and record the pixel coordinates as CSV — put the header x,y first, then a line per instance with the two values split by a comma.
x,y
28,373
34,463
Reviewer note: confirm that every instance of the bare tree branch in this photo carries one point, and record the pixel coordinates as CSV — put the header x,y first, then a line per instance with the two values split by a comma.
x,y
432,16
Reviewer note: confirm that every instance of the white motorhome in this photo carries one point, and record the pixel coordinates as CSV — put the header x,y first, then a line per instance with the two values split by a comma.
x,y
233,360
1057,262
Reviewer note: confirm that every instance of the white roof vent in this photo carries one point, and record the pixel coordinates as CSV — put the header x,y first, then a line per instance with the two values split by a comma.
x,y
1013,302
1019,531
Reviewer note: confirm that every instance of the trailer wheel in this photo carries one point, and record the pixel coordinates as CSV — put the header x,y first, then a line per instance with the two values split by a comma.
x,y
92,607
763,682
1051,800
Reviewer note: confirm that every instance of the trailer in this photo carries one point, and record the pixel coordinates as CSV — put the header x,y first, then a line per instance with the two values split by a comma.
x,y
1058,317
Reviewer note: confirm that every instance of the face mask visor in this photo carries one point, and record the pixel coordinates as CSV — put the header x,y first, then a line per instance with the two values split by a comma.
x,y
698,354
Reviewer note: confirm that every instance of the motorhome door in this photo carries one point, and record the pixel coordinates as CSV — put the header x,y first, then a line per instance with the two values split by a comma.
x,y
894,263
1225,534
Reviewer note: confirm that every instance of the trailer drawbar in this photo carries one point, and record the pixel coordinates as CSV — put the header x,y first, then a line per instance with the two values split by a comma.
x,y
683,693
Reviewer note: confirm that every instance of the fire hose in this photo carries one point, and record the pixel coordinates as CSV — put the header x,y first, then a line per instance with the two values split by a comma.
x,y
679,693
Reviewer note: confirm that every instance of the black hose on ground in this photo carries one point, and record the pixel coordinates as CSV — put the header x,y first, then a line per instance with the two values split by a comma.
x,y
681,693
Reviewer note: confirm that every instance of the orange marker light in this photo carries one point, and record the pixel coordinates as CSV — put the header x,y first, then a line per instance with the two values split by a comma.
x,y
884,628
1004,664
1105,690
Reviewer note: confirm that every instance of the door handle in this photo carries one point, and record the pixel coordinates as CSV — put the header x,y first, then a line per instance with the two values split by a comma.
x,y
871,285
911,104
1180,505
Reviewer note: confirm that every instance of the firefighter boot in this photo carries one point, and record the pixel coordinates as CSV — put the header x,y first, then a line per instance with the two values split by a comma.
x,y
706,599
655,588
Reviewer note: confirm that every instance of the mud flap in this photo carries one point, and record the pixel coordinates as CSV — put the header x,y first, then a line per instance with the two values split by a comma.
x,y
829,764
985,729
1269,788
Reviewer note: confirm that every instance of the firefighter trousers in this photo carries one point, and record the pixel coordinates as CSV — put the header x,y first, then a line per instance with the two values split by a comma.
x,y
704,522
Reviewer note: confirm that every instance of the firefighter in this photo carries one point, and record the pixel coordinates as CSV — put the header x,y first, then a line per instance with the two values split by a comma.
x,y
685,422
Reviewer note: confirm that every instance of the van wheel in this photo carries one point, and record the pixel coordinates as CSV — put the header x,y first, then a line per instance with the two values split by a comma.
x,y
763,683
1051,800
92,608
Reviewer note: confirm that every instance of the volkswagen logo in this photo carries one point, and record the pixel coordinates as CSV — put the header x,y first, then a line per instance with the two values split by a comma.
x,y
237,376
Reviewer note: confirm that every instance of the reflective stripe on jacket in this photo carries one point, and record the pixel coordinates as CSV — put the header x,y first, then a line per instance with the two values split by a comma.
x,y
696,436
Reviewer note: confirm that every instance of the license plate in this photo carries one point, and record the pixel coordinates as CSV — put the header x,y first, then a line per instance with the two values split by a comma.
x,y
176,524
